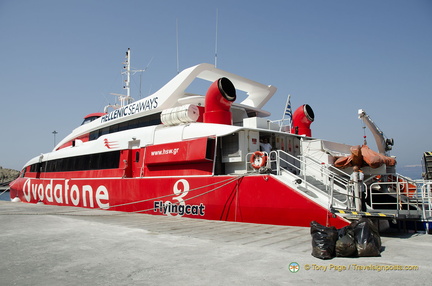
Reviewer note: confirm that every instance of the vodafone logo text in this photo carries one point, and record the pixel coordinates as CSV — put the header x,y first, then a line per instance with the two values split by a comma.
x,y
64,192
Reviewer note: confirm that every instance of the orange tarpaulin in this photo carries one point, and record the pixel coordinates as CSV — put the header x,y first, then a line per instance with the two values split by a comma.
x,y
364,156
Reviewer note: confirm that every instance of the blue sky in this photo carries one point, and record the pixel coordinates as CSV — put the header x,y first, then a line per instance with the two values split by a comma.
x,y
60,60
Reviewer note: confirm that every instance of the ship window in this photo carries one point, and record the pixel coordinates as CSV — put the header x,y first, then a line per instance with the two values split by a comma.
x,y
123,126
36,167
137,156
93,135
211,145
94,161
104,131
89,119
114,128
99,161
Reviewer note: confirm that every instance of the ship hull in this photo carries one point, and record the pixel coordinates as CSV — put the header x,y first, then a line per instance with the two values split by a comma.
x,y
250,198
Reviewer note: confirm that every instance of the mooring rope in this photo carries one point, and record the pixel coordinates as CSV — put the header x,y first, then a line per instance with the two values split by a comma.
x,y
71,212
212,190
3,192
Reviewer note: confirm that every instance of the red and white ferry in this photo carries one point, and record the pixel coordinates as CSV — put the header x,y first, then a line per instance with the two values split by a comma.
x,y
179,154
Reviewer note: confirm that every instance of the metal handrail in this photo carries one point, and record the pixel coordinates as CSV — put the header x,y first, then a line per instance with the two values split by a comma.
x,y
337,177
302,167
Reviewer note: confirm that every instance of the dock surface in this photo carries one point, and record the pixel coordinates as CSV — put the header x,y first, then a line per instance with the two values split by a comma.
x,y
52,245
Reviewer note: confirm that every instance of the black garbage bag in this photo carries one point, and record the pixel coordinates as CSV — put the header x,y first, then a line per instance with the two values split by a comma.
x,y
367,238
323,240
345,245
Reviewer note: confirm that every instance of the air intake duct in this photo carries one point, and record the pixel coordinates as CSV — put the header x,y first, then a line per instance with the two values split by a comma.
x,y
302,119
219,98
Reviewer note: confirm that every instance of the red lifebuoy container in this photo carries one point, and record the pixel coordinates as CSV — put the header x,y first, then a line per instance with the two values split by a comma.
x,y
258,160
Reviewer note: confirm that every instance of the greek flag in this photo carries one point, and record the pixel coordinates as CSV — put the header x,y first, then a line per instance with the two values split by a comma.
x,y
288,110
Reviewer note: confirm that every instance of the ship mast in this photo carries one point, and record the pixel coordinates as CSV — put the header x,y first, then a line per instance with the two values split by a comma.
x,y
124,100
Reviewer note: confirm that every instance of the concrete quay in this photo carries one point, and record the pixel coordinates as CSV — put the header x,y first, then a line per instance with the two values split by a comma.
x,y
51,245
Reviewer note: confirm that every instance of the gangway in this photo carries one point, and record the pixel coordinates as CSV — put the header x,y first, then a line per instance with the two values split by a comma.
x,y
393,197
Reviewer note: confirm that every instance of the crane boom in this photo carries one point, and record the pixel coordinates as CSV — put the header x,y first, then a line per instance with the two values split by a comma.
x,y
382,142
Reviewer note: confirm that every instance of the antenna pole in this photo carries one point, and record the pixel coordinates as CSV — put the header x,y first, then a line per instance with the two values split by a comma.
x,y
128,58
177,43
127,80
216,37
54,133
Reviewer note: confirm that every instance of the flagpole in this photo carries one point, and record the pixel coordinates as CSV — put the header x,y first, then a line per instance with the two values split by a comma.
x,y
284,113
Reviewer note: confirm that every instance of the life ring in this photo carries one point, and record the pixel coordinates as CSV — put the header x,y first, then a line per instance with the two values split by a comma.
x,y
258,160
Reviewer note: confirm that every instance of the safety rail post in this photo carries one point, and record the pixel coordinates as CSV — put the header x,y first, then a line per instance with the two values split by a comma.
x,y
398,198
350,197
427,203
277,159
248,163
428,194
270,160
331,190
330,205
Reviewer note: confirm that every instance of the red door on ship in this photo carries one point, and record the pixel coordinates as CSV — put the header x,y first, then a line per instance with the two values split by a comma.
x,y
137,162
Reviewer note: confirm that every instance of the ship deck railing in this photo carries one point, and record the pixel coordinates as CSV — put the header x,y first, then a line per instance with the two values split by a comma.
x,y
392,198
282,126
410,194
404,205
